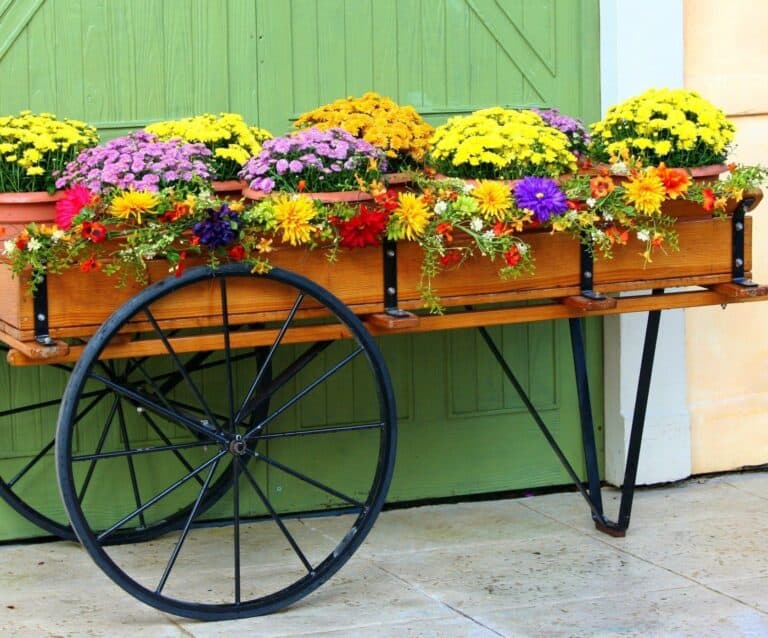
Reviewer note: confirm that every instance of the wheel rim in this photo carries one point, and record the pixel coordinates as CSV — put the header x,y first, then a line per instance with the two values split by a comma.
x,y
268,543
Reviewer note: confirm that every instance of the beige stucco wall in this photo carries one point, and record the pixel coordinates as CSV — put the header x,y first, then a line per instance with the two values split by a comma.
x,y
726,59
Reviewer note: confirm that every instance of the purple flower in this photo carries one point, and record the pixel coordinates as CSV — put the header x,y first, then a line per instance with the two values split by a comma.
x,y
219,229
542,196
139,159
573,128
296,166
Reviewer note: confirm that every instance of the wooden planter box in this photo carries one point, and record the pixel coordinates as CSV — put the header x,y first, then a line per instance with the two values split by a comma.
x,y
79,302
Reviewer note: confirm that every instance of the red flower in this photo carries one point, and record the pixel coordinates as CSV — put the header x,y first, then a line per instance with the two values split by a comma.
x,y
709,200
512,256
90,264
364,229
445,229
387,200
450,258
94,231
301,186
75,199
22,241
180,265
177,212
237,252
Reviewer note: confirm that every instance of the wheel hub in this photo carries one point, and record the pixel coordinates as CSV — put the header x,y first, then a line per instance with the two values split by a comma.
x,y
238,446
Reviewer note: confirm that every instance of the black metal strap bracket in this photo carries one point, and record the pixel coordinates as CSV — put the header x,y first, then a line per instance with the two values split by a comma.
x,y
737,244
390,280
587,275
40,308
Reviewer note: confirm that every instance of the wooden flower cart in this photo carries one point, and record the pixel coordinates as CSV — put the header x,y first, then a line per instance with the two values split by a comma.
x,y
190,464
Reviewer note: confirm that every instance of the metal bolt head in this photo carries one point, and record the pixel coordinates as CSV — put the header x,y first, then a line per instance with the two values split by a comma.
x,y
739,263
390,253
40,317
391,290
739,226
588,274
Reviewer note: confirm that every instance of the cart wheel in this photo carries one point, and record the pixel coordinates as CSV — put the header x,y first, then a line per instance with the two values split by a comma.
x,y
307,476
21,486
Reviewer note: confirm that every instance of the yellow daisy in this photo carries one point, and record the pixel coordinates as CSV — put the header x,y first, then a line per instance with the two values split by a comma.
x,y
412,215
133,203
494,199
293,214
645,192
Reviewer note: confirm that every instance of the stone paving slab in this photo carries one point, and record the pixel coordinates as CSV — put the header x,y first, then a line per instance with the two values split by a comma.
x,y
694,564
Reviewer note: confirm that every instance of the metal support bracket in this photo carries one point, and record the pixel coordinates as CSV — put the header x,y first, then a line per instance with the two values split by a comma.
x,y
390,281
587,275
40,309
737,244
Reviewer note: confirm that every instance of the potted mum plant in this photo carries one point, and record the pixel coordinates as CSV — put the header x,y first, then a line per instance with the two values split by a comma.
x,y
331,165
499,143
676,127
33,147
227,136
398,131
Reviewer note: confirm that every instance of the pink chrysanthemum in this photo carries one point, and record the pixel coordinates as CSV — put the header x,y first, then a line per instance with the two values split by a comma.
x,y
72,204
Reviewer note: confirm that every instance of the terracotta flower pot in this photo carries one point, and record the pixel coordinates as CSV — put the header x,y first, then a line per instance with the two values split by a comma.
x,y
327,197
228,188
19,209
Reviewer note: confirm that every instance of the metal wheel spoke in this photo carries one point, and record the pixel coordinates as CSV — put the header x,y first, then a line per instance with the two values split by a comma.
x,y
302,393
129,459
306,479
171,446
180,366
268,359
374,425
170,414
99,447
301,362
185,530
44,404
161,495
118,454
276,517
227,353
236,527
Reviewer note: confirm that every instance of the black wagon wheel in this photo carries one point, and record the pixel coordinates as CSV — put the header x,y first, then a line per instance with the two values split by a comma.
x,y
27,483
306,453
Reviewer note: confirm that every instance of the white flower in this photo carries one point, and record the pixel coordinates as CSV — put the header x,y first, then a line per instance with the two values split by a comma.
x,y
619,168
489,234
643,235
476,224
468,188
522,248
57,235
608,217
8,247
34,244
591,201
441,207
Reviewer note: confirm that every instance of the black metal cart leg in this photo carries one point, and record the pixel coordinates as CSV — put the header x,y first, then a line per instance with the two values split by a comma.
x,y
585,414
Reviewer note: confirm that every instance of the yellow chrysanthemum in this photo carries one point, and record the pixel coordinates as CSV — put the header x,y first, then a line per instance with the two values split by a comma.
x,y
493,198
645,192
133,203
412,215
293,214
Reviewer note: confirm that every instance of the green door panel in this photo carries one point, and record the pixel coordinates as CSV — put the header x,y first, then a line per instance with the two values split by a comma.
x,y
120,64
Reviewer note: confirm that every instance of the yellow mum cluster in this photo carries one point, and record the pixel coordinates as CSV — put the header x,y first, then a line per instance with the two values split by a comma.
x,y
32,146
674,126
399,131
231,140
498,143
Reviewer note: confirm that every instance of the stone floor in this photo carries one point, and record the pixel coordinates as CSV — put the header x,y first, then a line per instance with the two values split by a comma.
x,y
695,563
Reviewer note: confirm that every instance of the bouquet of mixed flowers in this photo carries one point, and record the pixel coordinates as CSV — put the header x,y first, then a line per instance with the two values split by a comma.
x,y
498,143
33,147
227,136
399,131
312,160
674,126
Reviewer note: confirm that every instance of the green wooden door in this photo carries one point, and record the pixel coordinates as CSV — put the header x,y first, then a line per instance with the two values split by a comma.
x,y
120,64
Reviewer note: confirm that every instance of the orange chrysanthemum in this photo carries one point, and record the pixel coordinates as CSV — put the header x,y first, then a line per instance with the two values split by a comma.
x,y
601,186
